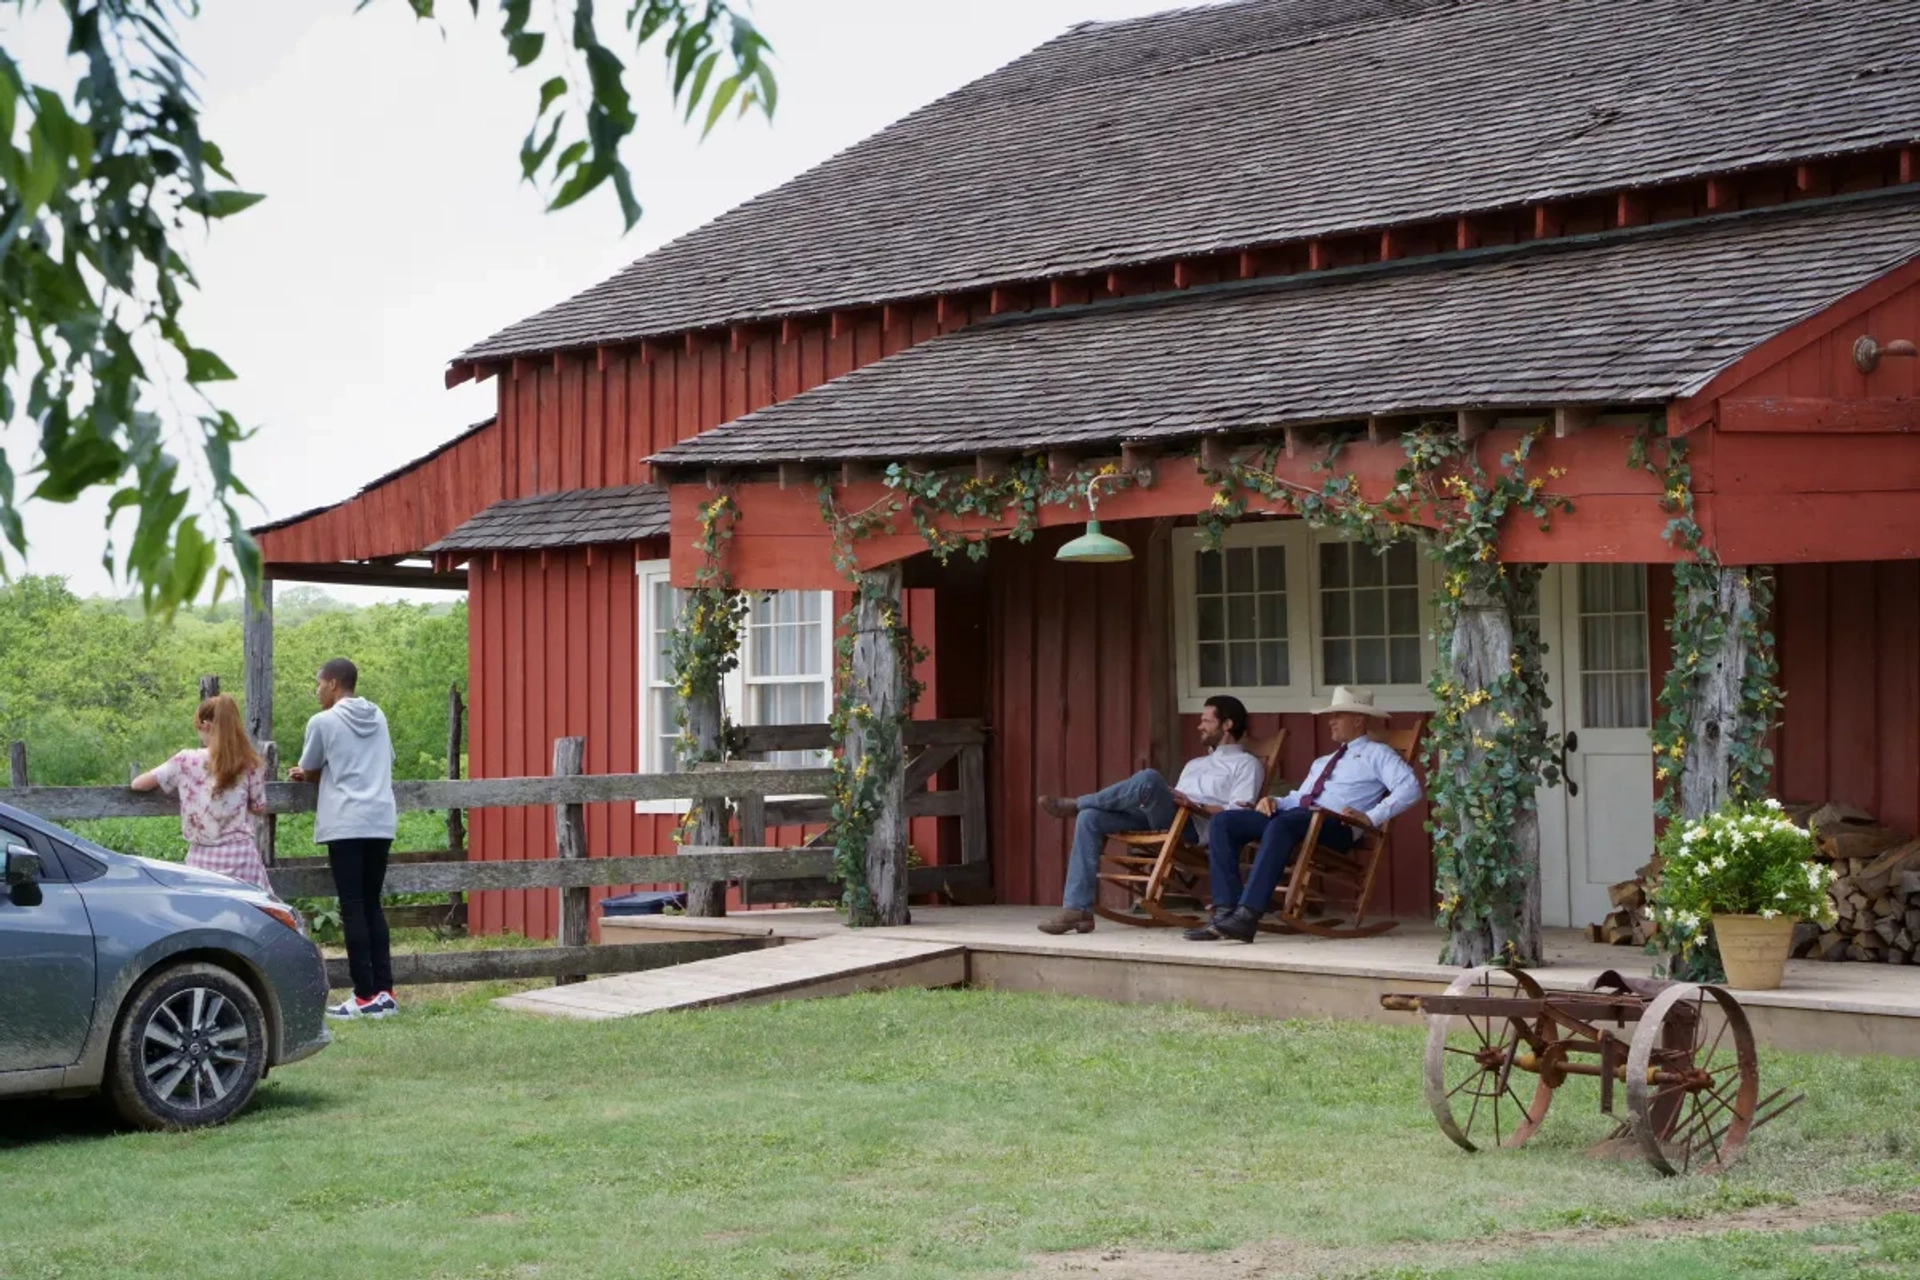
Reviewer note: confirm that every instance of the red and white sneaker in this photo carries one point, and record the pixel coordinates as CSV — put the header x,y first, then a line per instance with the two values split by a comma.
x,y
355,1007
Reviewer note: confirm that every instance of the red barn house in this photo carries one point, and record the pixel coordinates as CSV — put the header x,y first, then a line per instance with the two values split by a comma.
x,y
1274,221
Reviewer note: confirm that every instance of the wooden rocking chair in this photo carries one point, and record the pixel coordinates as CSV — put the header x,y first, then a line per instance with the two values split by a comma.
x,y
1327,893
1145,864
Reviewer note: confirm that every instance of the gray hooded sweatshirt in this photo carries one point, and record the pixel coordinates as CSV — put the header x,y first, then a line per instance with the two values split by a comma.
x,y
349,747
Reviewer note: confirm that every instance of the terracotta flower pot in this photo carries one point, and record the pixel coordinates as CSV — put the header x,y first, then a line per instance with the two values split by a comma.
x,y
1754,950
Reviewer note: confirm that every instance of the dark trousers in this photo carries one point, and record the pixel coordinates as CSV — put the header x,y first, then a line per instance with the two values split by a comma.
x,y
359,869
1229,832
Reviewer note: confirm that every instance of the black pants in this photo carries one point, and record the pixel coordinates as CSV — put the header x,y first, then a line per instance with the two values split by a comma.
x,y
359,869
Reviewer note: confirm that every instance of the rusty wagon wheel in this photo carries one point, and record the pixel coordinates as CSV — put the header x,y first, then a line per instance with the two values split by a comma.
x,y
1693,1080
1470,1066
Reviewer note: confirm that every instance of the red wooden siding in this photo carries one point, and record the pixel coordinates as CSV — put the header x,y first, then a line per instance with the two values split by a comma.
x,y
1073,656
554,651
400,515
587,420
1851,670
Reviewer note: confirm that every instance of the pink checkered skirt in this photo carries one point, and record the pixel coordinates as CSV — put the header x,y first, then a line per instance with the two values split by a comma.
x,y
236,857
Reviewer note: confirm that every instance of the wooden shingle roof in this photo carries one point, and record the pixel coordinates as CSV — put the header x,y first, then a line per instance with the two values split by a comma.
x,y
1212,129
1629,317
573,518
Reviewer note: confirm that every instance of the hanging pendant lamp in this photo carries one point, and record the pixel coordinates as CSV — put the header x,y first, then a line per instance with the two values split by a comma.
x,y
1093,546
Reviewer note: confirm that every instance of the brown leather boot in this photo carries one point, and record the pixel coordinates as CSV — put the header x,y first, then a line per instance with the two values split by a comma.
x,y
1068,921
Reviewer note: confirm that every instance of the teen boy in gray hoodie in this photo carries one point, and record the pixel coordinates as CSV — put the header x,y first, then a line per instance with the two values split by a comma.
x,y
349,755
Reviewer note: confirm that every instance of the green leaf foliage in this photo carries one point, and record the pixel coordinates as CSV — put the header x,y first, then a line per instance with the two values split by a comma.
x,y
98,180
93,686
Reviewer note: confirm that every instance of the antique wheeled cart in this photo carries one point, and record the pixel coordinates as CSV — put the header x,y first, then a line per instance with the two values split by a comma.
x,y
1689,1071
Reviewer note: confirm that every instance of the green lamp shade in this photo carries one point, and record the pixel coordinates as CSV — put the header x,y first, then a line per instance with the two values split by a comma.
x,y
1095,547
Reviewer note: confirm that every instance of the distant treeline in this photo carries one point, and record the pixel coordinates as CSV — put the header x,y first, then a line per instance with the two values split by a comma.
x,y
92,686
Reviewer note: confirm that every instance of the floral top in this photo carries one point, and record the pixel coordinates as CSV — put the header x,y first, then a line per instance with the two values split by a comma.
x,y
210,817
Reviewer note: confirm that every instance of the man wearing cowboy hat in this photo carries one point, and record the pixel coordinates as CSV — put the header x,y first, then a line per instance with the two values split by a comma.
x,y
1363,779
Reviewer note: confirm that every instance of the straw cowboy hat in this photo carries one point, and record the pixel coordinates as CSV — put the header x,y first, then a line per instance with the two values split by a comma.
x,y
1359,701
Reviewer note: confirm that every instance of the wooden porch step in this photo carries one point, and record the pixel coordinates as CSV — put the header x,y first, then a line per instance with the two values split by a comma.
x,y
797,971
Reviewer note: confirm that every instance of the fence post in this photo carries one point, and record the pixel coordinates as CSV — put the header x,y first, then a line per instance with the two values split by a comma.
x,y
704,722
570,841
17,758
256,661
209,685
266,826
973,804
456,822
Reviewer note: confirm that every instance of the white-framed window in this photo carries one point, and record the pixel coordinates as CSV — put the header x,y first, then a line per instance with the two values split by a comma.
x,y
784,676
1281,613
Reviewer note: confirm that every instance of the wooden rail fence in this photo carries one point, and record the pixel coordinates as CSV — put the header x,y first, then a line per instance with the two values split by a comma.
x,y
764,794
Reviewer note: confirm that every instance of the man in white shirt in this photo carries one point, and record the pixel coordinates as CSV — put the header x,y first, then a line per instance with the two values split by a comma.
x,y
1361,778
1227,777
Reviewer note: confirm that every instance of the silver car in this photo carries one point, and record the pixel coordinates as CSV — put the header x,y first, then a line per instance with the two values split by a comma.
x,y
174,990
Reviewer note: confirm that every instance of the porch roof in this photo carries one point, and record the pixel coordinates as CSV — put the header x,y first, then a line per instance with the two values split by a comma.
x,y
573,518
1633,317
1215,128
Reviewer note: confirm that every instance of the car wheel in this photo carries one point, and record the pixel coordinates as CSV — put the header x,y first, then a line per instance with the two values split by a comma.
x,y
190,1049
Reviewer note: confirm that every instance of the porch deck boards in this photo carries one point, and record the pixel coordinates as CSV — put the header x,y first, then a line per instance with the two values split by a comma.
x,y
810,968
1847,1008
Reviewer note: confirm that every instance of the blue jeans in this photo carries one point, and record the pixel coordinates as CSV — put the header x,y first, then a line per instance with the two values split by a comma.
x,y
1231,831
1143,802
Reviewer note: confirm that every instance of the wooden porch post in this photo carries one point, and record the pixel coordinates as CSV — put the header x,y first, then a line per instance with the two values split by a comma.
x,y
709,817
1715,700
1483,651
880,683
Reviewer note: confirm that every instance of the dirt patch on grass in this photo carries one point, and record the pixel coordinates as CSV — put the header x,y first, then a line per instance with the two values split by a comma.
x,y
1292,1260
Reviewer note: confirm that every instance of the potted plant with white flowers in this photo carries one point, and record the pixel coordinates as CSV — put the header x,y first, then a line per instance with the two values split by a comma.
x,y
1747,872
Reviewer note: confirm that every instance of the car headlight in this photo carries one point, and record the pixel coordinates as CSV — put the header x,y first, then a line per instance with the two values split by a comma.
x,y
285,915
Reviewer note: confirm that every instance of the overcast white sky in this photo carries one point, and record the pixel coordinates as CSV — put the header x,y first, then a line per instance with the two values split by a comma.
x,y
396,231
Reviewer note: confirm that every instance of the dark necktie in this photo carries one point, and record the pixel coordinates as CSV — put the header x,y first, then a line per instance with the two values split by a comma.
x,y
1320,783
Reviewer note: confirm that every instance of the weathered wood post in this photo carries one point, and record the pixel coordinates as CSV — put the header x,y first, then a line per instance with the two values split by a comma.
x,y
456,818
209,685
880,683
17,761
266,826
570,842
708,820
1717,702
256,663
1483,653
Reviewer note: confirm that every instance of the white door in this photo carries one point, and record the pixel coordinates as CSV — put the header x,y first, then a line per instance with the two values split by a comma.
x,y
1606,712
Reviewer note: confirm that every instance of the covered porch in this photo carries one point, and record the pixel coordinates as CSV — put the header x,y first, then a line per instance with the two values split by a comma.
x,y
1763,357
1863,1009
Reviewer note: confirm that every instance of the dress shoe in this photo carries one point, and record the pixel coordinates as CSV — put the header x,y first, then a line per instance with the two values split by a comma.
x,y
1058,806
1068,921
1205,932
1239,924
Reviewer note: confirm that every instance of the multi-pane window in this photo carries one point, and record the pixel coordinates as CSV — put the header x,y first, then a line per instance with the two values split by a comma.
x,y
1369,615
784,675
786,664
1614,685
663,701
1240,628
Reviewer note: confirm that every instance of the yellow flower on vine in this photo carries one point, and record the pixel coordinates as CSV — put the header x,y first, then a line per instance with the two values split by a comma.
x,y
1556,472
1220,500
1661,773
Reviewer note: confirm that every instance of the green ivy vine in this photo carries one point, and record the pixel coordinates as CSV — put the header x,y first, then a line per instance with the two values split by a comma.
x,y
1698,633
705,646
1487,750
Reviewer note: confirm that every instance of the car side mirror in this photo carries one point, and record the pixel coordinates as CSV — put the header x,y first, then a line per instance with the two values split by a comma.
x,y
23,865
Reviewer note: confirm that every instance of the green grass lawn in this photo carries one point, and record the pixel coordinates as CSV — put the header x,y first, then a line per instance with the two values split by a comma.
x,y
923,1134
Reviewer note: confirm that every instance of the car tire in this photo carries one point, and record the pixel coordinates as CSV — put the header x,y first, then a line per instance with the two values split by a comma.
x,y
189,1051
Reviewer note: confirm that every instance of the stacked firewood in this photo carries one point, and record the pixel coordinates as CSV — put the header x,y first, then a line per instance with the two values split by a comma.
x,y
1876,893
1628,924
